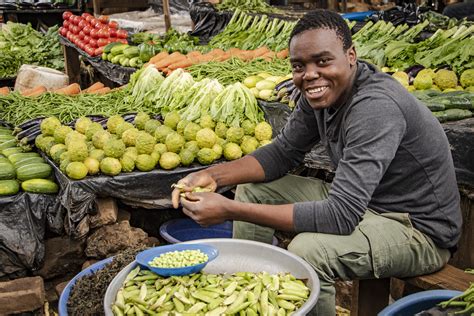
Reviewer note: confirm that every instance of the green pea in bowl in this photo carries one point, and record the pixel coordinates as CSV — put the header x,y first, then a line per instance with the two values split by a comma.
x,y
177,259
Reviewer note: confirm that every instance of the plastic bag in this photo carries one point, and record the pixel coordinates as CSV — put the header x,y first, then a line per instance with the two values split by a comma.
x,y
23,221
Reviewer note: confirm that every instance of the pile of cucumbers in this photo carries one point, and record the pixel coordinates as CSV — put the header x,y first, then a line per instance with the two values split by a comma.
x,y
20,167
123,54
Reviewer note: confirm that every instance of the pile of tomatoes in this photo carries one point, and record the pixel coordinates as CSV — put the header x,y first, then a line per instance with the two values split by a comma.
x,y
91,34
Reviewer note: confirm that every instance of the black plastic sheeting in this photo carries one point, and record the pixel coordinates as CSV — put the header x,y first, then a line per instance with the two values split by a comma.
x,y
113,72
150,189
276,114
207,21
24,218
175,5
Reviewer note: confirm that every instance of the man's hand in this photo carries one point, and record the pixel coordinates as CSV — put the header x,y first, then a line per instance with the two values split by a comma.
x,y
196,179
206,208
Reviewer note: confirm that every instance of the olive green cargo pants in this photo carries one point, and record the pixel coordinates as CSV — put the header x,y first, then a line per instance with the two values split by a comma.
x,y
381,245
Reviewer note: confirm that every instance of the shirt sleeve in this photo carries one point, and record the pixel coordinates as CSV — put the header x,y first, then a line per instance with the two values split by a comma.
x,y
373,133
288,149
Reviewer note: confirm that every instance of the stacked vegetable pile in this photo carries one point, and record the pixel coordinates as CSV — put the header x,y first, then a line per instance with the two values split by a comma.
x,y
21,44
18,164
212,294
90,34
251,32
257,6
146,144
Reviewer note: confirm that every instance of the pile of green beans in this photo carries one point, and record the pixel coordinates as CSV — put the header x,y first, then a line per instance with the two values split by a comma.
x,y
241,293
464,301
179,259
235,70
16,109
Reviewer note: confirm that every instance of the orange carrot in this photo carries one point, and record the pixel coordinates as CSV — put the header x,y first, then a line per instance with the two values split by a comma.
x,y
37,91
268,56
72,89
4,91
171,59
158,57
181,64
96,86
260,51
194,53
103,90
283,53
222,57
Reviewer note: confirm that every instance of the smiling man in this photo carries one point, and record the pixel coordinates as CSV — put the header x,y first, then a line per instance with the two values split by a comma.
x,y
393,206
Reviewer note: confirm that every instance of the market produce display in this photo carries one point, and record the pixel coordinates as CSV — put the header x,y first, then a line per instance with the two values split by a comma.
x,y
257,6
146,144
251,32
20,166
172,41
21,44
210,294
91,34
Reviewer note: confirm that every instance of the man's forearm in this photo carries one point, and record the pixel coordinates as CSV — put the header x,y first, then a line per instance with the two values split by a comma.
x,y
276,216
244,170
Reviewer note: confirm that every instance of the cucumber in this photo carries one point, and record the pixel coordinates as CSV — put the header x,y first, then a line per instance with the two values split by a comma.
x,y
28,161
124,61
39,186
4,138
131,51
33,171
12,150
9,187
14,158
457,114
434,107
118,50
441,116
5,132
108,47
454,102
8,144
7,171
116,59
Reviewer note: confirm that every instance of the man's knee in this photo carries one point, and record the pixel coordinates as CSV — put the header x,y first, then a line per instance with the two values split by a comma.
x,y
314,255
246,192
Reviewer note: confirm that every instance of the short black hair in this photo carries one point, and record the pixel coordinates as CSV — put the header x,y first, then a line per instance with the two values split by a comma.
x,y
324,19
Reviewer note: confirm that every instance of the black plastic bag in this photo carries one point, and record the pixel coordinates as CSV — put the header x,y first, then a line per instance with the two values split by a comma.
x,y
276,114
23,220
207,21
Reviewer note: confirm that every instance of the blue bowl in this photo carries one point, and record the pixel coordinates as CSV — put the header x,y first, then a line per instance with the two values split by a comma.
x,y
63,299
418,302
185,229
144,257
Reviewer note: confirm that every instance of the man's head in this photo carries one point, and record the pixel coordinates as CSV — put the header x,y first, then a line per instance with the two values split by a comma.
x,y
323,58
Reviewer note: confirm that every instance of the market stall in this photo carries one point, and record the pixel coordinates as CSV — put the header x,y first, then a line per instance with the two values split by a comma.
x,y
187,101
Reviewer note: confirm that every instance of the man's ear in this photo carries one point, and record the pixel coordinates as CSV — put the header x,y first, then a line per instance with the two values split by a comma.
x,y
352,55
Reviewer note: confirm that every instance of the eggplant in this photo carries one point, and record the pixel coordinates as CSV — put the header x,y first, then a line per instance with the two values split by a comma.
x,y
27,132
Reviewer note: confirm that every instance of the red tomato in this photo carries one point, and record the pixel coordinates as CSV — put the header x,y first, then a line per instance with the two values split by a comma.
x,y
112,32
104,18
85,15
99,51
113,24
89,50
87,38
93,43
102,42
122,34
98,25
123,41
82,24
94,34
76,29
93,21
89,18
82,35
87,29
63,31
103,33
66,14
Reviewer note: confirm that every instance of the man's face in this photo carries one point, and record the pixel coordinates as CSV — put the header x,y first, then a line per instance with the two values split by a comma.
x,y
322,70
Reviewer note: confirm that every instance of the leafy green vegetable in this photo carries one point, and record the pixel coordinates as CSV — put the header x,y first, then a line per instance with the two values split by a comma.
x,y
257,6
21,44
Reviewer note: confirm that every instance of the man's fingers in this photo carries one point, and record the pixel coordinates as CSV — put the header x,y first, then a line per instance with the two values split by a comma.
x,y
175,197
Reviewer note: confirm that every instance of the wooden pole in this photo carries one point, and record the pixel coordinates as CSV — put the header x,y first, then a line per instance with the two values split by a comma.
x,y
166,13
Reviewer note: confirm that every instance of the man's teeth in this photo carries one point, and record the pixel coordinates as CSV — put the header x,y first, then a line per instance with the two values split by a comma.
x,y
316,90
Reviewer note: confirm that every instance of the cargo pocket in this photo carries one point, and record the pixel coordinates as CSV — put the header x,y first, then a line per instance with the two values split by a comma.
x,y
387,234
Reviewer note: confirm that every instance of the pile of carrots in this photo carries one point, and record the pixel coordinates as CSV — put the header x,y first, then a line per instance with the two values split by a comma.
x,y
169,62
72,89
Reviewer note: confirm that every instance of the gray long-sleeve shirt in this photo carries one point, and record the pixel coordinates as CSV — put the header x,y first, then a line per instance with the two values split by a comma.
x,y
390,153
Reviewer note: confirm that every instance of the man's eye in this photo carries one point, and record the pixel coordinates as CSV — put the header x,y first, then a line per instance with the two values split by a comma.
x,y
323,61
296,67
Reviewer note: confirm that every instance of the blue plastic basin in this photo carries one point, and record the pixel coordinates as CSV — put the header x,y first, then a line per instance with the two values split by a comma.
x,y
357,16
418,302
185,229
63,299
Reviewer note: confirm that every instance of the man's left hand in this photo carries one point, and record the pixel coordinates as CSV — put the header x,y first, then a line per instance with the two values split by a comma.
x,y
205,208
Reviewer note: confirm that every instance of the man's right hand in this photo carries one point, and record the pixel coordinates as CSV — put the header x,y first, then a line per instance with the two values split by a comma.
x,y
196,179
